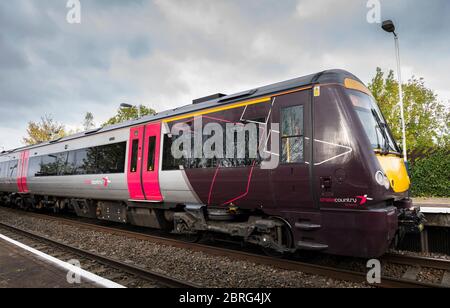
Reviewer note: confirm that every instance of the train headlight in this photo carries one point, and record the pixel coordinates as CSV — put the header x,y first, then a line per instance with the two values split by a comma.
x,y
379,177
382,180
387,184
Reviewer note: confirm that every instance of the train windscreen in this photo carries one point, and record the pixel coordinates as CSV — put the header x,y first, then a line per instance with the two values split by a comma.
x,y
373,122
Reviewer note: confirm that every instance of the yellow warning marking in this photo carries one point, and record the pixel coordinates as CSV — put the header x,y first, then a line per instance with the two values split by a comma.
x,y
214,110
316,91
266,99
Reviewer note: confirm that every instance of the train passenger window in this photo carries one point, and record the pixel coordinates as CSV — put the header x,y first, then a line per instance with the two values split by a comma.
x,y
98,160
2,170
80,157
134,155
70,167
111,158
49,166
151,154
12,170
5,170
292,135
169,163
244,154
120,150
90,161
4,173
34,166
61,161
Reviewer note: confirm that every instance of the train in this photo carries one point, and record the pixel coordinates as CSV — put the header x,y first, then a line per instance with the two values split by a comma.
x,y
328,175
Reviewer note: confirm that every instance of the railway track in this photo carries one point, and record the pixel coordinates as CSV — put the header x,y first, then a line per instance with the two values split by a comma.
x,y
331,272
121,272
418,263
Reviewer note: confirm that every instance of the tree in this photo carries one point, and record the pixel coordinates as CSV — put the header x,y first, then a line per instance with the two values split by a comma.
x,y
426,119
127,114
46,130
88,122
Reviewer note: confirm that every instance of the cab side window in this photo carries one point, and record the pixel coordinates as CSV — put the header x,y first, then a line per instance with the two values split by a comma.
x,y
292,135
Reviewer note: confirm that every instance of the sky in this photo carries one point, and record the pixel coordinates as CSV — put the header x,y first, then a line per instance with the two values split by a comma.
x,y
165,53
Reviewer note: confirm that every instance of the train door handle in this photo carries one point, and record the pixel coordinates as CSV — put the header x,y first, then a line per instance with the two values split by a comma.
x,y
326,183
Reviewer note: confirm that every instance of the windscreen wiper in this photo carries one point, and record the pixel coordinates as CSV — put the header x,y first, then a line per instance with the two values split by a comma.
x,y
382,127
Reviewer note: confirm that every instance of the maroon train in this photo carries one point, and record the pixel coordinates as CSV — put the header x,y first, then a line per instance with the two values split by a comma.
x,y
331,179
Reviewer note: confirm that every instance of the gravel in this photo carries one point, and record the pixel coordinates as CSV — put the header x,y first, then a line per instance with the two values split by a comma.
x,y
185,264
422,254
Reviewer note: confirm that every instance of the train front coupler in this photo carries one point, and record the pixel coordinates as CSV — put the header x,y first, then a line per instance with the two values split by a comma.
x,y
410,219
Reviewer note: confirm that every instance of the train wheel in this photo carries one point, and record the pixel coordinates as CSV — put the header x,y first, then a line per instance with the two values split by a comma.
x,y
188,236
191,238
18,203
284,238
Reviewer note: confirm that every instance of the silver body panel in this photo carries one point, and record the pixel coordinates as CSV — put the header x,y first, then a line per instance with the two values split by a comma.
x,y
8,184
81,186
175,187
98,186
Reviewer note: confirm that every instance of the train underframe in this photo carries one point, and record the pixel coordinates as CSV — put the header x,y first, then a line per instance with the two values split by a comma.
x,y
374,231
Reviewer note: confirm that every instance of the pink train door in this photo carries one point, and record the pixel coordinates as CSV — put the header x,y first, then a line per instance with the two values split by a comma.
x,y
143,163
22,169
150,169
135,163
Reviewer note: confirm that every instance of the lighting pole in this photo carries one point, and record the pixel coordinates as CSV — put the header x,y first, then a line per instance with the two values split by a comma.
x,y
389,27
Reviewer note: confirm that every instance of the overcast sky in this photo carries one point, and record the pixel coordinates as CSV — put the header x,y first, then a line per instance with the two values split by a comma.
x,y
164,53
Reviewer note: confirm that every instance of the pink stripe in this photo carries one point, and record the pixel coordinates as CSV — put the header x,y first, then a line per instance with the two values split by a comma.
x,y
19,172
25,175
212,184
248,186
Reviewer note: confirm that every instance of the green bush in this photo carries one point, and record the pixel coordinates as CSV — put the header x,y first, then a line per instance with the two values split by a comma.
x,y
430,175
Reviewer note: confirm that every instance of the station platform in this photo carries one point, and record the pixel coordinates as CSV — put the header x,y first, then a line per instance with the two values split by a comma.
x,y
436,211
21,269
435,237
433,205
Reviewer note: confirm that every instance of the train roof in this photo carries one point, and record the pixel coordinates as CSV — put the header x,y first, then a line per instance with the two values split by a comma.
x,y
328,76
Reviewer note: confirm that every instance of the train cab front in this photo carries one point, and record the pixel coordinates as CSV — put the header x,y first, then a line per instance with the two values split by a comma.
x,y
391,179
397,181
395,174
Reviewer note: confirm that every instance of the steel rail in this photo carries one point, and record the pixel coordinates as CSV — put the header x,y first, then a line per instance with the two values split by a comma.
x,y
339,274
121,266
441,264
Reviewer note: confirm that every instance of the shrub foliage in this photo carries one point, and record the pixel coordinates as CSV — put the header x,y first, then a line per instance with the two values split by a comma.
x,y
430,173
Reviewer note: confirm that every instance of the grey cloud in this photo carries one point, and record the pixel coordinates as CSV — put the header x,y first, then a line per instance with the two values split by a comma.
x,y
164,53
11,57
